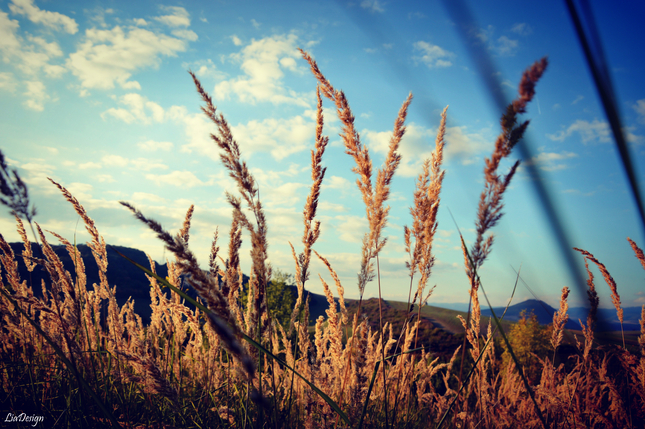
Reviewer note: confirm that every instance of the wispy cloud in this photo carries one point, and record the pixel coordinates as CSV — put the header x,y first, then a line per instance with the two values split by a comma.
x,y
639,107
204,68
432,55
138,109
114,161
551,161
522,28
31,56
505,46
373,6
350,228
176,16
280,137
589,132
236,40
502,46
53,20
184,179
109,57
36,95
419,142
153,146
263,63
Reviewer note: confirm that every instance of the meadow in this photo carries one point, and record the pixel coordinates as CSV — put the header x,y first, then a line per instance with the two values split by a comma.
x,y
223,364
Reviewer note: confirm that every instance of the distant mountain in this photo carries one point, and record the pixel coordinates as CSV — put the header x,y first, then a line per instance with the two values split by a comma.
x,y
130,281
607,318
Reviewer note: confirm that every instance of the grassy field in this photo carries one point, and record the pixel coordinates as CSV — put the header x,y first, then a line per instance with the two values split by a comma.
x,y
76,358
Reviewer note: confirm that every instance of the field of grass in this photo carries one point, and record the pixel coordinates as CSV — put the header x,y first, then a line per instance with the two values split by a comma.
x,y
76,358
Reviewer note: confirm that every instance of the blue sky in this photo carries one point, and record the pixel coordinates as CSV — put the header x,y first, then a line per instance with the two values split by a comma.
x,y
96,95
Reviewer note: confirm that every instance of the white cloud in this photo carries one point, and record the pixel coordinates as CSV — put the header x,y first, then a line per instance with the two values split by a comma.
x,y
204,68
351,228
143,196
114,160
81,191
7,81
285,194
152,146
9,43
53,20
432,55
109,56
52,150
236,40
336,182
143,164
639,107
262,62
184,179
177,16
138,109
578,99
327,206
505,46
37,172
36,95
595,131
107,178
141,22
280,137
198,130
631,137
523,29
88,165
185,34
484,34
30,57
255,24
419,142
372,5
551,161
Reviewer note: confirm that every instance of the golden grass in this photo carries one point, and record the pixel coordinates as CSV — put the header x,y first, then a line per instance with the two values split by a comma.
x,y
75,349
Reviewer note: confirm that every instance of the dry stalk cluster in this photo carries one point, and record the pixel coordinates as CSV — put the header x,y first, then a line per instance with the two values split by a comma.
x,y
188,368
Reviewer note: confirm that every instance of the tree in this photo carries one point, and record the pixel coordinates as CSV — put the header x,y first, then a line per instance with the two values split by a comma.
x,y
529,341
280,300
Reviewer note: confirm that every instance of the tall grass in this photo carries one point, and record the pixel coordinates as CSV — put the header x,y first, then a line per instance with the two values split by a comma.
x,y
215,364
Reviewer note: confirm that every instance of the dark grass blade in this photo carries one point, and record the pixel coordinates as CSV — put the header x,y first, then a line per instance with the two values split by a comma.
x,y
508,344
248,339
374,373
68,364
598,66
472,370
460,13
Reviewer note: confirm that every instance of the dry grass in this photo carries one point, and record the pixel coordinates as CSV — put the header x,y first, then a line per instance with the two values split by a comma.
x,y
67,354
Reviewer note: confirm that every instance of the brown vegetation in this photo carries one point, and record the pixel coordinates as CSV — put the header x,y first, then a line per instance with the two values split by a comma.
x,y
221,366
